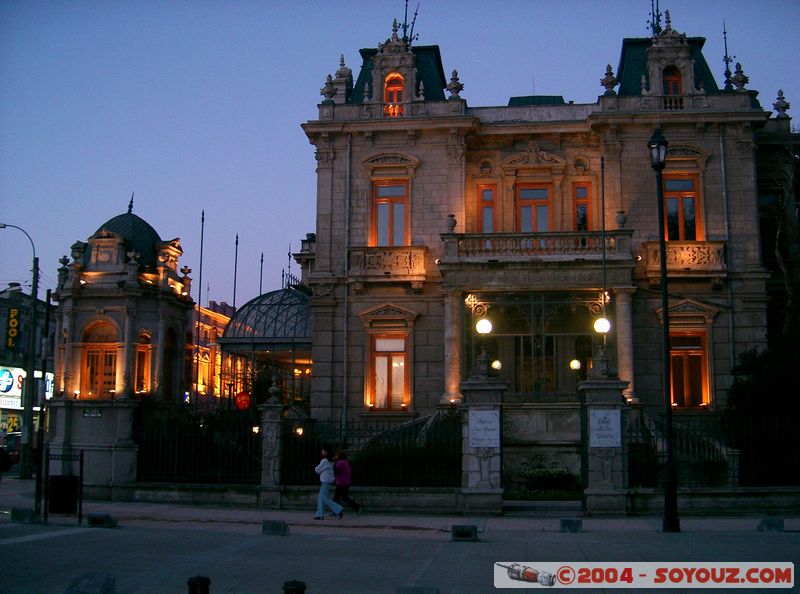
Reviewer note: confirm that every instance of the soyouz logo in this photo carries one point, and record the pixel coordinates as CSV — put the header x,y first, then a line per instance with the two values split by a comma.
x,y
513,574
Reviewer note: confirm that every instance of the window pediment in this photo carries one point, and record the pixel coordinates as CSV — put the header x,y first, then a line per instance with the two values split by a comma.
x,y
388,315
533,158
390,163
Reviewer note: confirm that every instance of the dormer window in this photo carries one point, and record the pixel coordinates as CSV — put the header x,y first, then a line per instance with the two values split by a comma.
x,y
393,89
673,88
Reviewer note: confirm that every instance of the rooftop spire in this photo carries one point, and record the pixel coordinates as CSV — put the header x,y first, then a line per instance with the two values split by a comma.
x,y
130,204
655,19
408,30
727,59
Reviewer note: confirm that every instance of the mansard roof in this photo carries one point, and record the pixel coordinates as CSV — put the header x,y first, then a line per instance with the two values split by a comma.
x,y
429,71
633,64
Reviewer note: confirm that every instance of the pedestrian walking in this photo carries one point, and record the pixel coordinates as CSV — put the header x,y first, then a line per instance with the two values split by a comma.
x,y
325,471
343,475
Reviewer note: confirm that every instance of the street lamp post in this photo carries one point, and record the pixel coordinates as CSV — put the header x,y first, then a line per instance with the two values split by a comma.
x,y
658,155
29,393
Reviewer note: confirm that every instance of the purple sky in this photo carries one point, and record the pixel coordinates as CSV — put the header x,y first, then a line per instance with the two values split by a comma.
x,y
198,104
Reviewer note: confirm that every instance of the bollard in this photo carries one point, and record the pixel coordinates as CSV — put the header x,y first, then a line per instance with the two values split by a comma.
x,y
278,527
468,532
771,525
571,525
294,587
198,584
101,521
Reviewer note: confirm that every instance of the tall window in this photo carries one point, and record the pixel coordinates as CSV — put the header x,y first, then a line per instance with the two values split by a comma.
x,y
99,374
581,198
390,213
389,372
486,203
688,365
393,90
142,373
533,208
681,202
673,89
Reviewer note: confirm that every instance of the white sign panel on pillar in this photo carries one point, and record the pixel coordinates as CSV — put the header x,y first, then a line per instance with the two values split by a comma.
x,y
605,428
484,428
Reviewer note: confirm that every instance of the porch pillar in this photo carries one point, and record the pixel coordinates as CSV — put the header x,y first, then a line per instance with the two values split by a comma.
x,y
604,441
271,448
625,340
452,355
482,446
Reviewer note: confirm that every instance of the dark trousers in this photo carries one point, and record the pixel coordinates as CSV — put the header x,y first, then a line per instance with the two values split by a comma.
x,y
342,493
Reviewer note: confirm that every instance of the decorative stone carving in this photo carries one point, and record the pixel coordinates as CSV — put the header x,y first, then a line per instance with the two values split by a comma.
x,y
451,223
534,157
609,81
781,105
454,87
739,79
328,90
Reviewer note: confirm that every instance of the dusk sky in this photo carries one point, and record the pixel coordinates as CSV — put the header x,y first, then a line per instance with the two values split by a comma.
x,y
197,105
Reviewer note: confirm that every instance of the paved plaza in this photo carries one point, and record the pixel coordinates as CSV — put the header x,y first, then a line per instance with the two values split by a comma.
x,y
159,547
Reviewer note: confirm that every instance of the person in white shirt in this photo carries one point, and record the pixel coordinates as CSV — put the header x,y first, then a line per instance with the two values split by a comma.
x,y
325,471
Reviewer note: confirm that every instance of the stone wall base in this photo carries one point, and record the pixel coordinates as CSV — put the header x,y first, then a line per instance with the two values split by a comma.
x,y
605,502
481,501
717,502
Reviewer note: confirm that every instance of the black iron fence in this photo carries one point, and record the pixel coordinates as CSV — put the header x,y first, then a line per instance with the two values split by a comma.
x,y
716,451
181,445
422,453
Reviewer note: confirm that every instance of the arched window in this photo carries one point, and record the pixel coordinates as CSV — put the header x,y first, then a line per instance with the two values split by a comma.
x,y
99,369
673,88
393,89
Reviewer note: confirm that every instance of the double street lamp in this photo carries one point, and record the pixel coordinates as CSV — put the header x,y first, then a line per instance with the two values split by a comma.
x,y
658,159
29,394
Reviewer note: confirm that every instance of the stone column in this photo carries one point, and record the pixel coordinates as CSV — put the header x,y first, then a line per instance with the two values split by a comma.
x,y
481,449
271,449
452,355
604,441
625,339
159,349
130,345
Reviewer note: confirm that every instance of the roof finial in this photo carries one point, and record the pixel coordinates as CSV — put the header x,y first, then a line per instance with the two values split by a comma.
x,y
130,204
655,19
728,60
408,30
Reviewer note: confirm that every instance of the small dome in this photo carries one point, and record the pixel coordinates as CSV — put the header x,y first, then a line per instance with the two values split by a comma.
x,y
280,316
141,237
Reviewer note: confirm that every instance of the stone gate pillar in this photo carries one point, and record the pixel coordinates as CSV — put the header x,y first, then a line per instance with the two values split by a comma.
x,y
482,442
604,442
271,449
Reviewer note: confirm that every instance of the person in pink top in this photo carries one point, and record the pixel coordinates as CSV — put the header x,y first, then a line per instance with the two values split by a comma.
x,y
343,475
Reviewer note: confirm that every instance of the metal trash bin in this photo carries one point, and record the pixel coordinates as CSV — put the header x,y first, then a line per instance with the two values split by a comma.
x,y
62,494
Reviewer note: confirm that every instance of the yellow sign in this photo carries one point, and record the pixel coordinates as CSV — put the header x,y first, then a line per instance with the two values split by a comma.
x,y
12,328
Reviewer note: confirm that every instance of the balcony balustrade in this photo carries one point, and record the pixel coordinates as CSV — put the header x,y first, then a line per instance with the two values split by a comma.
x,y
688,259
388,264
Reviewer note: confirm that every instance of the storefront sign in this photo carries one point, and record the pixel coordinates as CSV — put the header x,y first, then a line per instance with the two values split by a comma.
x,y
604,428
12,328
11,386
484,428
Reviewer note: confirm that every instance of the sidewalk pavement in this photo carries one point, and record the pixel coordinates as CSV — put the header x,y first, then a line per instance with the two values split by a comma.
x,y
19,493
160,546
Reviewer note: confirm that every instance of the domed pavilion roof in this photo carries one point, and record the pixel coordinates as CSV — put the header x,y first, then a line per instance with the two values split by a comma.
x,y
141,237
277,317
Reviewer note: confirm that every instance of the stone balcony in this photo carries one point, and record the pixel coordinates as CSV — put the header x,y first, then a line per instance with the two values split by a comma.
x,y
401,264
567,246
703,260
547,261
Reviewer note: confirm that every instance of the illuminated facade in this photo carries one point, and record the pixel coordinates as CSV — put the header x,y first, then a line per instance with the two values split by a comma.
x,y
124,320
539,216
209,326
